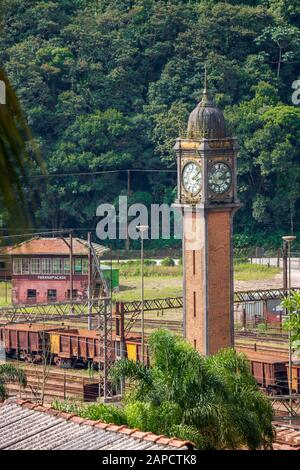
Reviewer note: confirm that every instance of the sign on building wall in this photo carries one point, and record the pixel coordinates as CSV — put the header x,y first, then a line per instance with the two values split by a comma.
x,y
51,277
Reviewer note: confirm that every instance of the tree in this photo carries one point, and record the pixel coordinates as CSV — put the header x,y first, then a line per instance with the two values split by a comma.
x,y
268,167
213,401
287,40
292,305
10,373
80,66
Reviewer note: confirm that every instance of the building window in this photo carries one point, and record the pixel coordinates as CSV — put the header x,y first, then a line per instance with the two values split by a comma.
x,y
74,293
85,266
118,349
51,295
195,308
195,344
17,266
77,266
35,266
2,265
66,266
25,265
46,265
31,294
57,266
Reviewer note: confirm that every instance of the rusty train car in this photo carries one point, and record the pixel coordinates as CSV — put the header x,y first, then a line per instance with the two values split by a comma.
x,y
61,345
270,373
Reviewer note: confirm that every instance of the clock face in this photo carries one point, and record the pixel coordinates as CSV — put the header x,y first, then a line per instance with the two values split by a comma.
x,y
219,178
192,178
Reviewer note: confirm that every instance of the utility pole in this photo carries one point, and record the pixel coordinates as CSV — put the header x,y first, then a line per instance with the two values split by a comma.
x,y
288,240
71,267
284,264
128,195
142,229
90,275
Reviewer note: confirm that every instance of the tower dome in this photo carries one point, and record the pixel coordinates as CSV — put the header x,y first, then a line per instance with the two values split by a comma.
x,y
206,120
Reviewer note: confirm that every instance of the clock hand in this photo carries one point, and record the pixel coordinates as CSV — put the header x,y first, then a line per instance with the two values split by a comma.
x,y
197,177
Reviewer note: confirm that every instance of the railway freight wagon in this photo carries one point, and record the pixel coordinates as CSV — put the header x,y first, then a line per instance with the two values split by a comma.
x,y
25,341
270,373
71,346
63,346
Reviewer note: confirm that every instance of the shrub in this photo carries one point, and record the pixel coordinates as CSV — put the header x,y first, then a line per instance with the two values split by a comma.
x,y
168,262
96,411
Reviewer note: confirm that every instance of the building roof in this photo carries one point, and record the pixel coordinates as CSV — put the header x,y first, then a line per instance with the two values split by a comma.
x,y
28,426
54,246
206,120
287,437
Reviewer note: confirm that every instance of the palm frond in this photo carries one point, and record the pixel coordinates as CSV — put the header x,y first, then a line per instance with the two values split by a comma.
x,y
15,159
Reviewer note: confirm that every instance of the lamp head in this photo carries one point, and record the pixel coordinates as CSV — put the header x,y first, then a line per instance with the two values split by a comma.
x,y
142,228
289,238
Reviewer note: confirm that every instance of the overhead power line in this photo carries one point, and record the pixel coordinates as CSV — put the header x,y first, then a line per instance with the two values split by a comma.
x,y
93,173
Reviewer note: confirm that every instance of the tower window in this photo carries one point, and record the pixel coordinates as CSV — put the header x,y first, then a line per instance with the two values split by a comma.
x,y
195,344
194,262
194,304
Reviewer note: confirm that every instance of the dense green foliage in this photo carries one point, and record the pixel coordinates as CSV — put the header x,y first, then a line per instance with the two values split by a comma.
x,y
98,411
292,305
212,401
10,373
109,84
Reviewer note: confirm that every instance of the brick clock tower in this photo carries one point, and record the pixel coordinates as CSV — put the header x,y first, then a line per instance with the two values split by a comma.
x,y
207,194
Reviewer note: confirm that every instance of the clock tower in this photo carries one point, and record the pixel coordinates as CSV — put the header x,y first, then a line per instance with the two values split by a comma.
x,y
207,195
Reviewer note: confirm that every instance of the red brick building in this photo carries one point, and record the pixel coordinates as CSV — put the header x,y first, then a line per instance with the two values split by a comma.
x,y
41,269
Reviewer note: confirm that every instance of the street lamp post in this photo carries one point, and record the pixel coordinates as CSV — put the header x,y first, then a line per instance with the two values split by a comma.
x,y
289,240
142,229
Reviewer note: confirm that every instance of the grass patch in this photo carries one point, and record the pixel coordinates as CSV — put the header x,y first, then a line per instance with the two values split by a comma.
x,y
254,272
155,287
134,270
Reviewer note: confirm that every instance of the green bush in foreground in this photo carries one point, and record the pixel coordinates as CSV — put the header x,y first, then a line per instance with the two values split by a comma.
x,y
10,373
213,401
96,411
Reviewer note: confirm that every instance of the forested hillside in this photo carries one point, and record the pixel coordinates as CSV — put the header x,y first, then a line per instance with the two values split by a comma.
x,y
109,84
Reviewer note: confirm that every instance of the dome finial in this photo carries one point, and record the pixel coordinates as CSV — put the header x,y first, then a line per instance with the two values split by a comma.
x,y
206,120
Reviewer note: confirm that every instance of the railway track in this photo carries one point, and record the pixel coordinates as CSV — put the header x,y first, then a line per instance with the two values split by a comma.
x,y
272,338
280,353
60,384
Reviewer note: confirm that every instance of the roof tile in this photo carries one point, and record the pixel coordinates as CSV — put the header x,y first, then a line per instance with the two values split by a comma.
x,y
54,246
29,426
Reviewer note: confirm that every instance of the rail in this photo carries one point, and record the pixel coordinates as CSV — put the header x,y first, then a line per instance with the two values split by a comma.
x,y
289,404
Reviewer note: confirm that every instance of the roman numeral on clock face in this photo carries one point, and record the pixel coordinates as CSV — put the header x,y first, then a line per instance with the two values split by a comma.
x,y
219,178
192,178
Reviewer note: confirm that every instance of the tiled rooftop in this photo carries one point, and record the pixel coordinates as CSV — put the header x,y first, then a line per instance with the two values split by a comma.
x,y
287,438
54,246
27,426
